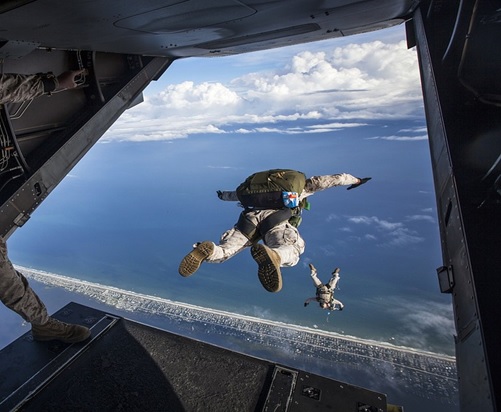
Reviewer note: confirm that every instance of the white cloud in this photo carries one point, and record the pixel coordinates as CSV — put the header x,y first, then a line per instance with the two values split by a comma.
x,y
332,217
372,80
401,138
403,237
366,80
345,229
393,233
422,322
222,167
427,218
195,97
329,250
416,130
373,220
337,126
243,131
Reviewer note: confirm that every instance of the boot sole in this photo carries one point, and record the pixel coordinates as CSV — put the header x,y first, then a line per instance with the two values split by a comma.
x,y
192,261
269,275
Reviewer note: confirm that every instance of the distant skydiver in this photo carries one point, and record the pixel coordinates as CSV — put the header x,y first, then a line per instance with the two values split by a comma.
x,y
325,293
15,292
273,201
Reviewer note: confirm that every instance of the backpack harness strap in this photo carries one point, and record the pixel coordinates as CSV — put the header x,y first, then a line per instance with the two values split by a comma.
x,y
253,232
325,294
277,189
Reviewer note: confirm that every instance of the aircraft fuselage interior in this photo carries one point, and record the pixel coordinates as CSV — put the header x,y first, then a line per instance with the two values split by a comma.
x,y
126,45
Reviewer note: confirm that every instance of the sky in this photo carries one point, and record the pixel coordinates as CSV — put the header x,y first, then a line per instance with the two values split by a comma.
x,y
273,91
132,208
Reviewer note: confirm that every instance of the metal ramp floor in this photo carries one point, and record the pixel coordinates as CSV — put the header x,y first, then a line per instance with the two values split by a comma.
x,y
133,367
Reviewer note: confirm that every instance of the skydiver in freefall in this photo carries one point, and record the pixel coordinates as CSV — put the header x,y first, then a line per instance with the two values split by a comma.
x,y
282,244
325,292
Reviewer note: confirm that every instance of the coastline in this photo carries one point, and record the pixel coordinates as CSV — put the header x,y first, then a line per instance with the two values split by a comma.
x,y
138,301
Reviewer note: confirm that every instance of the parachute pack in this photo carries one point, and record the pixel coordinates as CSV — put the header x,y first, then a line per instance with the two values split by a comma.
x,y
271,189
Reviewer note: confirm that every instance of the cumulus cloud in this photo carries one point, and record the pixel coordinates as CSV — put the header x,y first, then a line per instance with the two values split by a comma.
x,y
331,88
195,97
369,80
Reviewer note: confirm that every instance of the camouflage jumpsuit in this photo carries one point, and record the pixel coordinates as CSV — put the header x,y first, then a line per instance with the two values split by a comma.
x,y
15,88
15,292
284,238
325,292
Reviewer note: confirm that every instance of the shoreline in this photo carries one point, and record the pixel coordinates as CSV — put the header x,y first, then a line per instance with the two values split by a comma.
x,y
70,283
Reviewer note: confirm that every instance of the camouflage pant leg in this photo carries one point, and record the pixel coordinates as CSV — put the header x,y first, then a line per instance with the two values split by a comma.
x,y
333,282
15,292
316,280
287,242
232,242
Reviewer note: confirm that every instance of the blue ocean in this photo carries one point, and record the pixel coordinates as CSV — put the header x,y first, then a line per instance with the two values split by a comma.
x,y
128,212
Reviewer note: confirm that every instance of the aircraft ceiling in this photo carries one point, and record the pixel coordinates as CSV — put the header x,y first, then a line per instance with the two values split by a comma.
x,y
181,28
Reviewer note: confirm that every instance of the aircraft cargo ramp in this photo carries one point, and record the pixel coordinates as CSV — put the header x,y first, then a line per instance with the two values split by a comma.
x,y
129,366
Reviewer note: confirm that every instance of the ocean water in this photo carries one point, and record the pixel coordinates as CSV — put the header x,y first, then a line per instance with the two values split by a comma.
x,y
129,212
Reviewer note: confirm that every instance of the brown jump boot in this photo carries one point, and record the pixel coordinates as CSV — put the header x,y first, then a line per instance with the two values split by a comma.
x,y
269,267
54,329
192,261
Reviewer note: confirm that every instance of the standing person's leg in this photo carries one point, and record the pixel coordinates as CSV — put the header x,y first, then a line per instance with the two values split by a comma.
x,y
17,295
